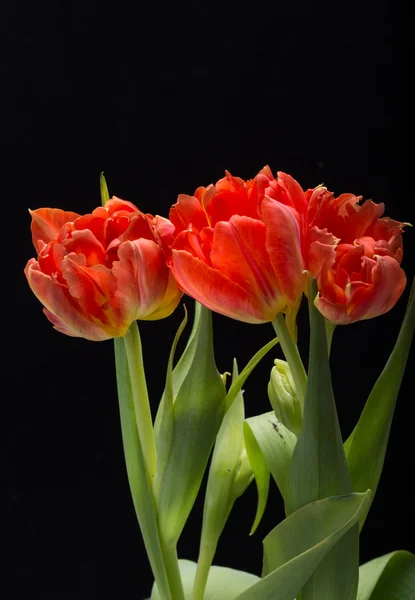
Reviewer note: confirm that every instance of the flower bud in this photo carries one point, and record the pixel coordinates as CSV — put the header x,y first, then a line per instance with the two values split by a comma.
x,y
283,397
243,475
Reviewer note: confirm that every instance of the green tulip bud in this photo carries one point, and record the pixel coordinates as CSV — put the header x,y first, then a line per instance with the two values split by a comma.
x,y
243,475
283,397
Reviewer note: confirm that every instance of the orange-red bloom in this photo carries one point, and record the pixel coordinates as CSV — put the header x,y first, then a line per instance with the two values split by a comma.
x,y
362,278
352,250
97,273
239,251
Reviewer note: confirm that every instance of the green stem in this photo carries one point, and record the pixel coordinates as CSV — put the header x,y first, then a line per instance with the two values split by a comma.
x,y
292,355
204,562
140,484
134,353
172,568
144,421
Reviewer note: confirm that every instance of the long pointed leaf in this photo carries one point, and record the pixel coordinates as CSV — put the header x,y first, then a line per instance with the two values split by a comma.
x,y
198,411
297,546
277,445
388,577
104,189
370,436
243,376
164,425
261,473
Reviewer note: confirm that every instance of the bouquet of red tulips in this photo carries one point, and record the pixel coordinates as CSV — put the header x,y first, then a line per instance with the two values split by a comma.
x,y
250,250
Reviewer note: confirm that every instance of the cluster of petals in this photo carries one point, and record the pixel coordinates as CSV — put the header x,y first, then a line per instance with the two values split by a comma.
x,y
363,277
97,273
237,250
243,249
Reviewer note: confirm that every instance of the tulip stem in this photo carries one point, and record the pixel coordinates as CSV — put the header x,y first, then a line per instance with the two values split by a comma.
x,y
172,569
204,563
144,421
292,355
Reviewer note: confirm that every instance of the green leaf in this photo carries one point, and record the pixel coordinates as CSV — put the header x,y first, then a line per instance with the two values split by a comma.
x,y
295,548
223,583
240,380
366,447
199,404
319,468
256,459
179,373
104,190
230,474
164,425
276,443
261,474
389,577
137,476
310,526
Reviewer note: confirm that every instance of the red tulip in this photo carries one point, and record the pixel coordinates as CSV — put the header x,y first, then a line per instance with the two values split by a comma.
x,y
237,250
363,277
97,273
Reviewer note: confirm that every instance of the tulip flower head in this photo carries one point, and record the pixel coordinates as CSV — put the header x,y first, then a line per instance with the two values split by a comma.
x,y
362,278
97,273
239,251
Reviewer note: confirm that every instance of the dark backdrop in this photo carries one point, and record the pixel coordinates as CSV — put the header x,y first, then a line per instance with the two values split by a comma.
x,y
163,97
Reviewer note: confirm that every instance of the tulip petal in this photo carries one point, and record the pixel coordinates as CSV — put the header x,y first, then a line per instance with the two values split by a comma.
x,y
189,241
57,301
50,258
326,211
239,252
361,219
349,260
333,311
232,197
139,227
329,286
283,242
92,287
205,195
322,250
84,242
227,203
142,278
165,229
388,229
213,289
116,205
388,283
169,302
47,223
187,211
293,192
93,223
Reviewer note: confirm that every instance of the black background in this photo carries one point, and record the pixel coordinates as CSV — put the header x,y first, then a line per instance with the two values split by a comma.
x,y
163,97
